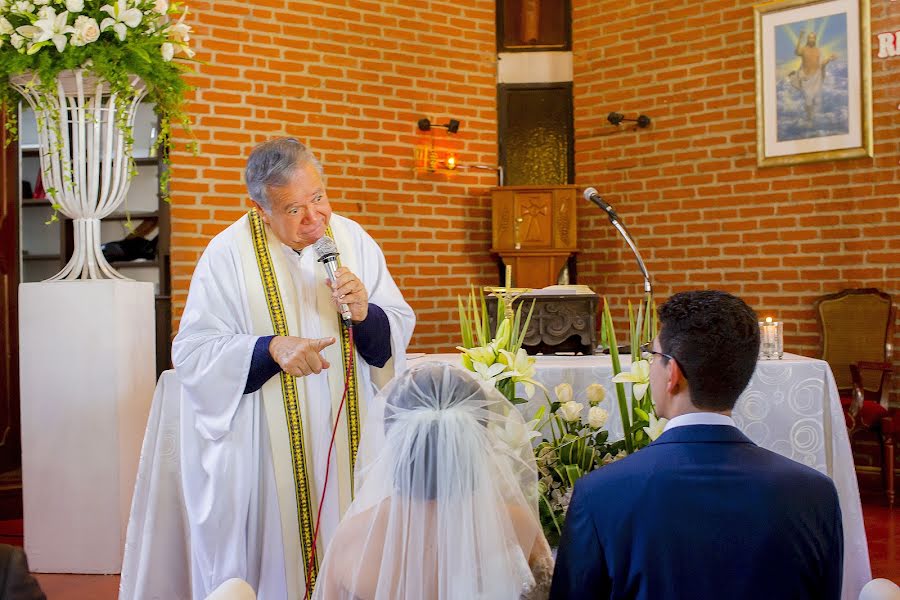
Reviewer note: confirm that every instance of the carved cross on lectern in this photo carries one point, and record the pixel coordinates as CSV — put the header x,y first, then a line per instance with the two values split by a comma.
x,y
508,294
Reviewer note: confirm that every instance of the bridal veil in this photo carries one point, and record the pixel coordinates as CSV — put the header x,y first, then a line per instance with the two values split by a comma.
x,y
446,498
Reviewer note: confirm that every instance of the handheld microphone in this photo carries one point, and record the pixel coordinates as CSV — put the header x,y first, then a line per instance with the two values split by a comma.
x,y
591,195
327,253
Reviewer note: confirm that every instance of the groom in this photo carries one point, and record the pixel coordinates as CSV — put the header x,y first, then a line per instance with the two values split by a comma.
x,y
702,512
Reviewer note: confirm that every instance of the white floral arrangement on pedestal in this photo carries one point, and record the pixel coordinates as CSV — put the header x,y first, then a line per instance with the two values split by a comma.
x,y
116,41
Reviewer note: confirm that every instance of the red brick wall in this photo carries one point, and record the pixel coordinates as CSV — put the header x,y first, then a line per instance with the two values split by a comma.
x,y
702,212
350,78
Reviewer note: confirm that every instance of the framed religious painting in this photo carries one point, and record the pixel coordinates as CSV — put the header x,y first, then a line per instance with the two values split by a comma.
x,y
813,81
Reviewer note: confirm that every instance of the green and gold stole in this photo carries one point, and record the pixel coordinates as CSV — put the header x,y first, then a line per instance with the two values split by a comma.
x,y
274,311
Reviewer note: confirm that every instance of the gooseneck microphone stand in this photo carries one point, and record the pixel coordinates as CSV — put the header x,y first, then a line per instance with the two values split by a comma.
x,y
591,195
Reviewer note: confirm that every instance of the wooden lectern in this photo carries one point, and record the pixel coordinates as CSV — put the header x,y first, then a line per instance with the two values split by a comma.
x,y
534,230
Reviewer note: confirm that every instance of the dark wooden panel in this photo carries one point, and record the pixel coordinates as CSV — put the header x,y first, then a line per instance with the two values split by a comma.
x,y
10,428
536,134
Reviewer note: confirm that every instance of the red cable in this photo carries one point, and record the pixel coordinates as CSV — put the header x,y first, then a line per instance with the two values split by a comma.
x,y
347,374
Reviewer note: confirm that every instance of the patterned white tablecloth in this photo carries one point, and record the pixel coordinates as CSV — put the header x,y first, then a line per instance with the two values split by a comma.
x,y
791,407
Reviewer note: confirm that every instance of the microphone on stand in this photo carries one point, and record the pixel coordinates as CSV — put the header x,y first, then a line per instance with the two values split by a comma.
x,y
591,195
327,253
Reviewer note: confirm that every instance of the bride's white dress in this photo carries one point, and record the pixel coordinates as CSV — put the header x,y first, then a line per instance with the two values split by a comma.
x,y
446,499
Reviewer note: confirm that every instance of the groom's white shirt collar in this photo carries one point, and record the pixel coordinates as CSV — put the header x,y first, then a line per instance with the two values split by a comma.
x,y
700,418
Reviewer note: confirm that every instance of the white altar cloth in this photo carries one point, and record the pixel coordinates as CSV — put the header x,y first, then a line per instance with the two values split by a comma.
x,y
791,407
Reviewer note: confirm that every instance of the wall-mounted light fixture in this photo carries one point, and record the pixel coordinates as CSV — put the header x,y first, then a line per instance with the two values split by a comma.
x,y
451,127
616,118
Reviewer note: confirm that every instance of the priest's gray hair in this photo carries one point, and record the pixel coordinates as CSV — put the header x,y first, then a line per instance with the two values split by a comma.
x,y
272,163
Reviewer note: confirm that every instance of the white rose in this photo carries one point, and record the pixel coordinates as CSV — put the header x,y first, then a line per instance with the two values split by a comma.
x,y
563,392
41,2
168,51
161,6
597,417
23,6
74,5
86,31
16,40
47,13
5,26
596,393
570,411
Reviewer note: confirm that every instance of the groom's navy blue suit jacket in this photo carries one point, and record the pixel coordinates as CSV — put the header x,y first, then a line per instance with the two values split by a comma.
x,y
701,513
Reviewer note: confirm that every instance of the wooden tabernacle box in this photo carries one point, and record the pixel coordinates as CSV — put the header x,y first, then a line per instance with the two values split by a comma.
x,y
564,319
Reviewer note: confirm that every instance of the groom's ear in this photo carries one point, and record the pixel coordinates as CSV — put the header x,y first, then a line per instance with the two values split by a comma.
x,y
675,381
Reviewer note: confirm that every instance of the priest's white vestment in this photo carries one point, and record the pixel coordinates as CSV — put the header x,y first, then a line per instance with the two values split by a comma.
x,y
233,470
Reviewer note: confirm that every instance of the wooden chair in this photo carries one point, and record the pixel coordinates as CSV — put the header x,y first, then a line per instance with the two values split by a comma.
x,y
856,340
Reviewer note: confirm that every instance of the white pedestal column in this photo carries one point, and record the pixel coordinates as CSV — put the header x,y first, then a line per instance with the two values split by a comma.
x,y
87,366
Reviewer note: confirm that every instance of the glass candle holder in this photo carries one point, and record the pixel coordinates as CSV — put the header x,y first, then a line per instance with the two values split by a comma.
x,y
771,340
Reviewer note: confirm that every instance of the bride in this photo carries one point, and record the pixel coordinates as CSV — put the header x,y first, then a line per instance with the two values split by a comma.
x,y
446,500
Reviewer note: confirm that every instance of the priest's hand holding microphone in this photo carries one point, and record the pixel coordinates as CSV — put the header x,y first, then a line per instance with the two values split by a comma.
x,y
300,356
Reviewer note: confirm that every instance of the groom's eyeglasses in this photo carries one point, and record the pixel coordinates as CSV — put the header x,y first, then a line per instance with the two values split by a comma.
x,y
647,354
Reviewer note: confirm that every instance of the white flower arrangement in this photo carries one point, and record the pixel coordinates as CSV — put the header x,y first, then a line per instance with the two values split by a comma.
x,y
114,40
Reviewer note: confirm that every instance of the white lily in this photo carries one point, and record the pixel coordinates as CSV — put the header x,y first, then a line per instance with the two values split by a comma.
x,y
120,18
23,7
523,370
180,31
564,392
161,6
570,411
515,435
479,354
639,377
491,373
597,417
656,427
186,50
52,27
5,26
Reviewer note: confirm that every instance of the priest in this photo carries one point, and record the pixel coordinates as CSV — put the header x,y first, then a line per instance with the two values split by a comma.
x,y
264,358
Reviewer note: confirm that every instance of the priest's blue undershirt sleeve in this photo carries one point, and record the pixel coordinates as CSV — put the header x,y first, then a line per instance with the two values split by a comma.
x,y
262,365
372,337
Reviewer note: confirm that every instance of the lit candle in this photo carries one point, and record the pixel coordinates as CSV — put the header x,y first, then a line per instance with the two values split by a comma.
x,y
770,339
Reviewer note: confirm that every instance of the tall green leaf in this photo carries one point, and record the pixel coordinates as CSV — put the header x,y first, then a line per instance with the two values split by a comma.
x,y
617,368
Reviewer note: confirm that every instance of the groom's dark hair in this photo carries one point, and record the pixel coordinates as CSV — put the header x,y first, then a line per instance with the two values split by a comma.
x,y
714,337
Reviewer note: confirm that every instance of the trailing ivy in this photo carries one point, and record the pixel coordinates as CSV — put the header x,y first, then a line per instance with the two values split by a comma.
x,y
114,41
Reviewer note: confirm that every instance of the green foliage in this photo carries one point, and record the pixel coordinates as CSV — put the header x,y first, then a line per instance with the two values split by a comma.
x,y
125,46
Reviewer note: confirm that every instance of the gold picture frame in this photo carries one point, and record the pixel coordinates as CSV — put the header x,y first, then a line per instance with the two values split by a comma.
x,y
813,81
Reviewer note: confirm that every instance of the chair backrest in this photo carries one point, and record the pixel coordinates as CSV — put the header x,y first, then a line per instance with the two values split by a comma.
x,y
855,325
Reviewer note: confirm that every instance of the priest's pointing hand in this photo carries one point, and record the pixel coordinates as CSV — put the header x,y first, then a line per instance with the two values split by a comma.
x,y
348,289
299,356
